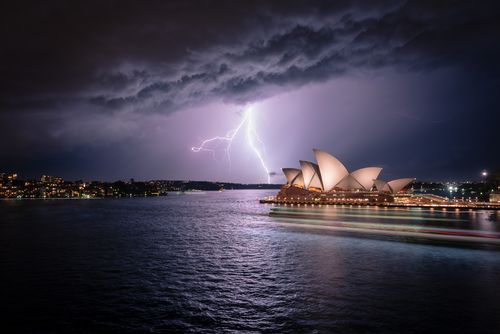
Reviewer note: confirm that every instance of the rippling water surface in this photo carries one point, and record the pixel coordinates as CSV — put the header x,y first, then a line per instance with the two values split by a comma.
x,y
217,263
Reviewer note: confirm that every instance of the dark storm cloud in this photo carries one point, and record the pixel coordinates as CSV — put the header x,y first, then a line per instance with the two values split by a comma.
x,y
165,56
410,37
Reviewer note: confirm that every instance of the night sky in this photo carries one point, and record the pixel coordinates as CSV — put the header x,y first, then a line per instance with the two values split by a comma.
x,y
119,89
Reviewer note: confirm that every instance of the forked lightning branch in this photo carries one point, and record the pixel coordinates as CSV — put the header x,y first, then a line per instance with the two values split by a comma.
x,y
224,143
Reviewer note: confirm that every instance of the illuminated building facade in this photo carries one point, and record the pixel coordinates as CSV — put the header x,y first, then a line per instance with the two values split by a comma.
x,y
328,180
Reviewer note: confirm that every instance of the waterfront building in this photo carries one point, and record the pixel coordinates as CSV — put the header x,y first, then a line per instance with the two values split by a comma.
x,y
330,181
495,197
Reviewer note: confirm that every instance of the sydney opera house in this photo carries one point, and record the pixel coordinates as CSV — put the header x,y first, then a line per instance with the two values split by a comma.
x,y
329,181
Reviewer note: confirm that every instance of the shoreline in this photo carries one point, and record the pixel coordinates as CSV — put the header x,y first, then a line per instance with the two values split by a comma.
x,y
187,192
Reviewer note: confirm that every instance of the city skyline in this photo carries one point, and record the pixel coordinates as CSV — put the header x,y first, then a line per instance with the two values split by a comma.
x,y
108,91
258,166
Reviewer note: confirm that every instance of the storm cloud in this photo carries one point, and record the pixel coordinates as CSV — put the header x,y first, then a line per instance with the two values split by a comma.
x,y
163,56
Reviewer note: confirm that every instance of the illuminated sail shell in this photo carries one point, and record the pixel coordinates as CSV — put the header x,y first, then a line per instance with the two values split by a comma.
x,y
329,174
332,171
393,186
365,176
293,176
381,185
311,175
349,183
290,174
397,185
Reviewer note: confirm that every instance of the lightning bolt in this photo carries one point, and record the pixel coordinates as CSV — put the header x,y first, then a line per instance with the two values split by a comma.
x,y
251,136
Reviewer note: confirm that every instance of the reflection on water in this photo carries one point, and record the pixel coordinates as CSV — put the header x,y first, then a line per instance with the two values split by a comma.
x,y
217,262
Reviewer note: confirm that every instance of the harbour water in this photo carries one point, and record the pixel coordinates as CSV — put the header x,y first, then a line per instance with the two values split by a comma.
x,y
216,262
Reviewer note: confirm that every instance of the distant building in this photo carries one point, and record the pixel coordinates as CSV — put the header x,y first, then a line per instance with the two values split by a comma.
x,y
8,177
328,180
8,185
495,198
329,174
52,179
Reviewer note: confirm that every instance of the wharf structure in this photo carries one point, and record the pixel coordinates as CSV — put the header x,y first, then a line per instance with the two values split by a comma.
x,y
329,182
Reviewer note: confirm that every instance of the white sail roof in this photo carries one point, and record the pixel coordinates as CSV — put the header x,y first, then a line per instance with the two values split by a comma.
x,y
381,185
330,173
331,169
349,183
365,176
397,185
393,186
291,174
311,175
299,180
